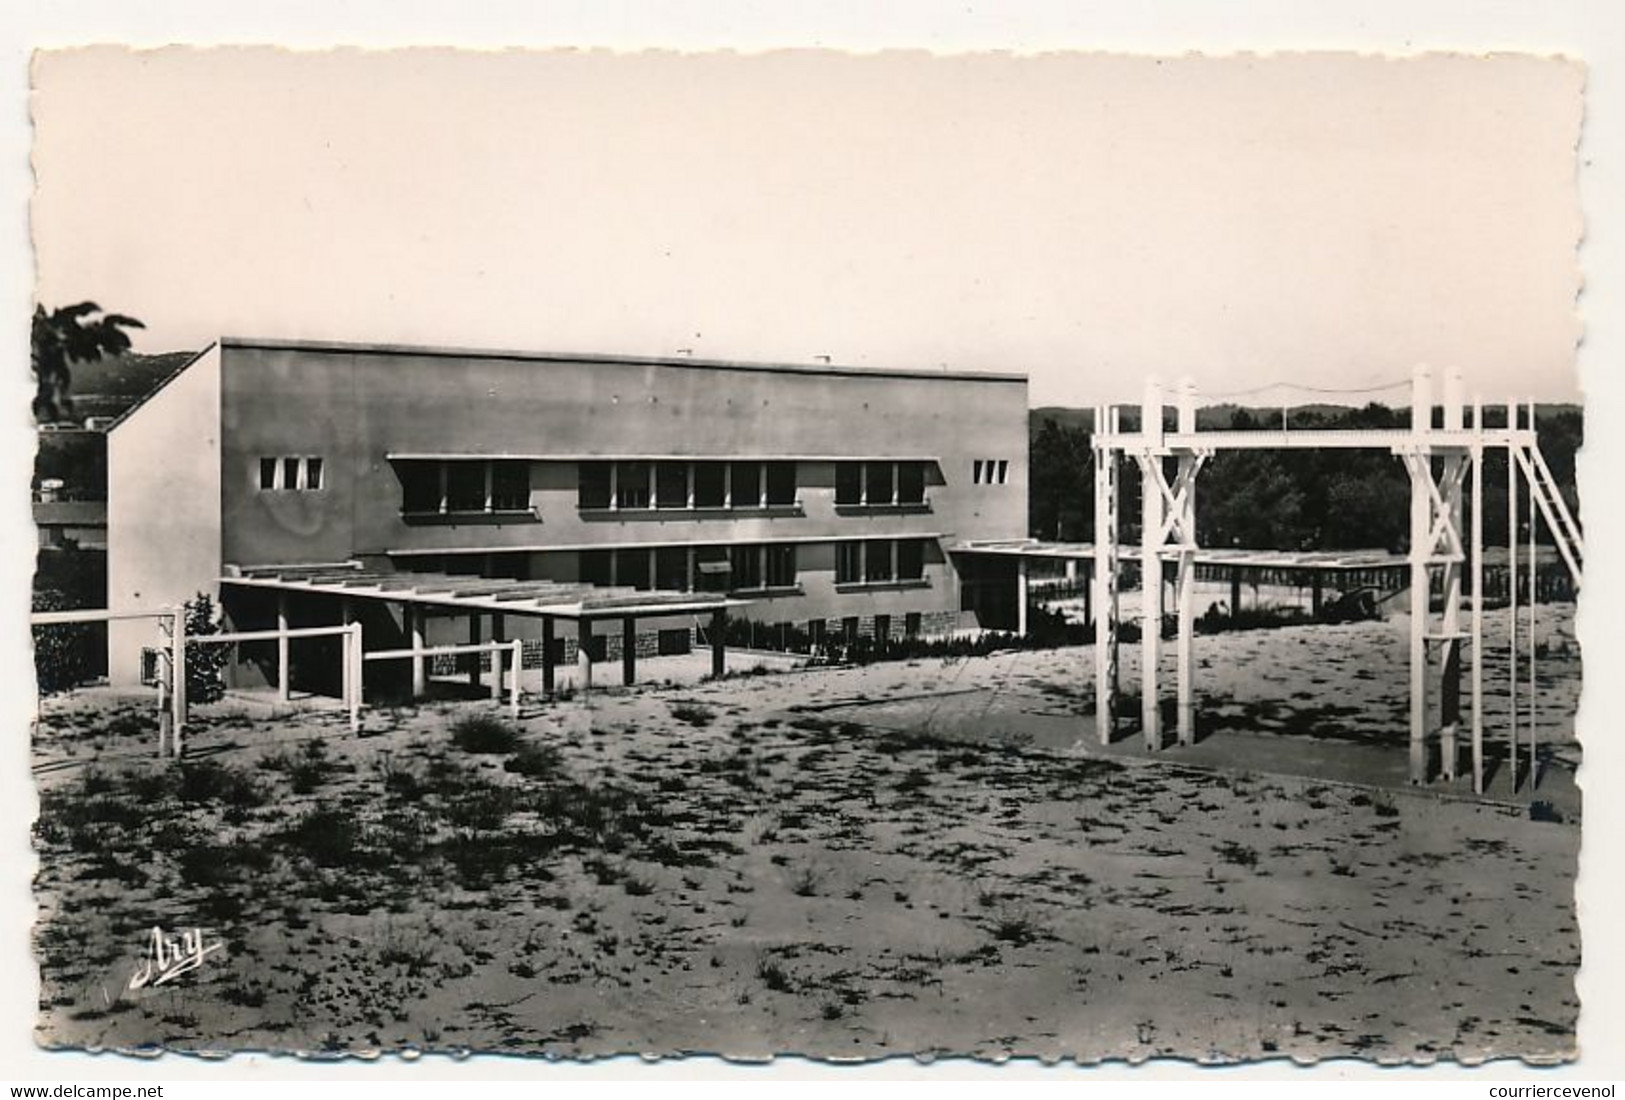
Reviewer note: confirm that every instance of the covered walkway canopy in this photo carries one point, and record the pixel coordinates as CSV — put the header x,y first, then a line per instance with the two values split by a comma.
x,y
1307,560
1370,568
549,601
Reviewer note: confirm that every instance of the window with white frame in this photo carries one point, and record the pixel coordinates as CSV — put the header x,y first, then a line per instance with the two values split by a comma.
x,y
878,566
781,566
848,562
286,473
990,471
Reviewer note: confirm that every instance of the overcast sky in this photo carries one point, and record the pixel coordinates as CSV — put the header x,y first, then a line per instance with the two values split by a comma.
x,y
1088,220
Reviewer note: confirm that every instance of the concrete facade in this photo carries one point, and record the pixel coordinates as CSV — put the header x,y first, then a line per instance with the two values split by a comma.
x,y
265,452
163,507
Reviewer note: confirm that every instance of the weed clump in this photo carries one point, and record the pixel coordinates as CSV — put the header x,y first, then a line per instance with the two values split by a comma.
x,y
306,770
692,714
535,761
483,734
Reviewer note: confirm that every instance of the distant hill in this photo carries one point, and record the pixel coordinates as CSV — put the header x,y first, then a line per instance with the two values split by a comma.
x,y
108,387
105,388
129,375
1063,416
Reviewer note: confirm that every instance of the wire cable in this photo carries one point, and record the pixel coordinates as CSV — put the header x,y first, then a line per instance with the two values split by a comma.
x,y
1302,388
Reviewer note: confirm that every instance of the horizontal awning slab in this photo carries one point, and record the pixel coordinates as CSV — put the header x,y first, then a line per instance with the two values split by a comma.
x,y
1308,560
471,594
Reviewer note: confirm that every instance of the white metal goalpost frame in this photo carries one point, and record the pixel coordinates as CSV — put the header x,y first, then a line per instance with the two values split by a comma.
x,y
1438,461
418,654
171,625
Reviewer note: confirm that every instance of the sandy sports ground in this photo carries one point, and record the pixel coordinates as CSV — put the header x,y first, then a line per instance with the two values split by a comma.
x,y
905,859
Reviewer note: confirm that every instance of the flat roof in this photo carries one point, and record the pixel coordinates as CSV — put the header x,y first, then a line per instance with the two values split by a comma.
x,y
491,595
651,456
1262,559
681,361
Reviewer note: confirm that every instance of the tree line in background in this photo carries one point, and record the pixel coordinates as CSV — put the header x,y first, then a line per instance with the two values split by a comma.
x,y
1284,500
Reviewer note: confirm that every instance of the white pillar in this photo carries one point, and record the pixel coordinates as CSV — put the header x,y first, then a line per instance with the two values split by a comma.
x,y
1021,596
517,651
420,671
178,637
165,658
1421,472
583,656
1150,599
1477,549
1186,602
1534,580
353,651
283,689
1513,740
1105,579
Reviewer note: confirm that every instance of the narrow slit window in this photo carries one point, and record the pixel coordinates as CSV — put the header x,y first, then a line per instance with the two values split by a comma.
x,y
268,473
849,483
911,483
465,486
911,559
746,563
593,485
848,562
313,474
879,482
747,484
510,486
710,484
632,485
420,486
976,472
290,474
671,568
781,484
877,561
671,485
781,566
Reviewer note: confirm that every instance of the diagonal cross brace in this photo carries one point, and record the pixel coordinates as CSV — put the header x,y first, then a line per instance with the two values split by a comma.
x,y
1174,496
1441,517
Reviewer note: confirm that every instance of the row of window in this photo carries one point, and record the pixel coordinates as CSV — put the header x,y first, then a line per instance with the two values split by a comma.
x,y
878,561
503,485
484,485
880,484
632,485
694,569
741,568
296,474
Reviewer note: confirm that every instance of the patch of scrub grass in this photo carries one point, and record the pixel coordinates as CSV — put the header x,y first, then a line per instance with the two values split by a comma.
x,y
328,838
693,714
485,735
774,976
535,761
806,882
207,781
306,770
1017,929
